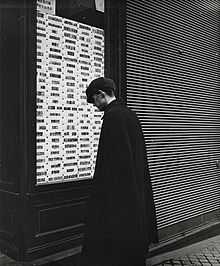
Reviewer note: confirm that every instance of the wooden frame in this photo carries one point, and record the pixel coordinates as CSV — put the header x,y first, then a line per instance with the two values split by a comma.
x,y
115,44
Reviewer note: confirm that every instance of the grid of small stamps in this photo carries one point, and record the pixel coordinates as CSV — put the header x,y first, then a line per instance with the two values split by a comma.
x,y
69,55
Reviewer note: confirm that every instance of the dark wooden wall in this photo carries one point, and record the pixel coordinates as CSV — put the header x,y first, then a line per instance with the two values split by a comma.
x,y
35,221
10,82
11,141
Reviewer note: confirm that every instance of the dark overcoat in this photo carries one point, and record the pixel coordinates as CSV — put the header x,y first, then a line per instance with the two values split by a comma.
x,y
121,220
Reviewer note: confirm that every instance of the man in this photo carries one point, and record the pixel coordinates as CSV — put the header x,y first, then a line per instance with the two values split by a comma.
x,y
121,220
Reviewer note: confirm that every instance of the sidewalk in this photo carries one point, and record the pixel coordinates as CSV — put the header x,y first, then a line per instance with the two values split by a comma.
x,y
204,253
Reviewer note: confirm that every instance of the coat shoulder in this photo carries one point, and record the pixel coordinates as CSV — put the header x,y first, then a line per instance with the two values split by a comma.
x,y
120,112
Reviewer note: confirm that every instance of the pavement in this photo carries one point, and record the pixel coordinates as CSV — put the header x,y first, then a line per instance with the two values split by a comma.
x,y
203,253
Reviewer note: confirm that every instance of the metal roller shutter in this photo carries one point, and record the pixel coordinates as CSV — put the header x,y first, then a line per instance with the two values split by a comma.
x,y
173,84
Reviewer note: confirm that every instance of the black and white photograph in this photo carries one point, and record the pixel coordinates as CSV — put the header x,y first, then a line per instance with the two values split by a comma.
x,y
109,132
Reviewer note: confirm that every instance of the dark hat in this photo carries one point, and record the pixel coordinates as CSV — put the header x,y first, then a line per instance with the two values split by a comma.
x,y
99,84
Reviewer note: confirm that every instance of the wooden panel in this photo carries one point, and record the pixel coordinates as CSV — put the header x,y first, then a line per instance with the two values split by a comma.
x,y
9,223
115,53
55,218
56,222
10,92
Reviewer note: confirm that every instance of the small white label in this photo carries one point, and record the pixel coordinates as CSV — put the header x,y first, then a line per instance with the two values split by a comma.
x,y
99,5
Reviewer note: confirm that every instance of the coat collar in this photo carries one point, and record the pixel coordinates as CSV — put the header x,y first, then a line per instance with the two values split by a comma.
x,y
109,107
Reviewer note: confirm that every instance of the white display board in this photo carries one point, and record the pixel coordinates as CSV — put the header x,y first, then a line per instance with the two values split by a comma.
x,y
46,6
69,56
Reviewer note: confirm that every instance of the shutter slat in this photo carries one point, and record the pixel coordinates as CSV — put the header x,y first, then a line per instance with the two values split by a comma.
x,y
172,75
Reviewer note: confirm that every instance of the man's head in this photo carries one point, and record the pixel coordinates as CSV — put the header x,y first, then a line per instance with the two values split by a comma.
x,y
101,92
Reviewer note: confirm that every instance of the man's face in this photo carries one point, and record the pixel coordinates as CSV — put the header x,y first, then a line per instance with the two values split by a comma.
x,y
100,101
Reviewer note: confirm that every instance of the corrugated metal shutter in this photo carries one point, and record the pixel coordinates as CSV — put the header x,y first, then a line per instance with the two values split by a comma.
x,y
173,84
